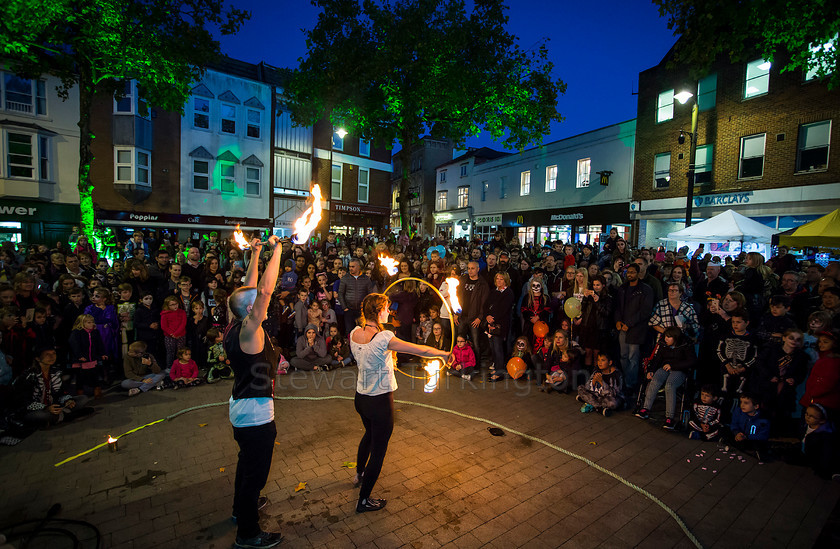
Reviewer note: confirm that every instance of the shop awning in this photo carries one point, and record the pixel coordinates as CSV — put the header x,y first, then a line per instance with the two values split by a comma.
x,y
820,233
725,227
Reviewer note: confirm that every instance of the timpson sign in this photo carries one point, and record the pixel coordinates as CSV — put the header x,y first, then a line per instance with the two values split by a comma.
x,y
358,209
583,215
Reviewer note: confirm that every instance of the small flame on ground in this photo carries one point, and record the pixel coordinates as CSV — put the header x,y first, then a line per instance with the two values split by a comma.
x,y
433,369
111,439
240,239
452,284
305,224
392,265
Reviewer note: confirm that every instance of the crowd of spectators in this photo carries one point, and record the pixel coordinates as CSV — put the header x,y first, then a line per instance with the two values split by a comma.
x,y
747,347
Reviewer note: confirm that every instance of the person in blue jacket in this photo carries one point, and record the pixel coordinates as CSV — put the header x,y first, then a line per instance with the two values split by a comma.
x,y
748,430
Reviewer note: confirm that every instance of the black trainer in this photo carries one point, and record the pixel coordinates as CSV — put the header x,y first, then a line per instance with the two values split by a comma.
x,y
263,539
370,504
261,503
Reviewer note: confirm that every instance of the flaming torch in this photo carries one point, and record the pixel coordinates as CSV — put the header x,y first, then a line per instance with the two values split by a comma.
x,y
389,263
304,225
454,305
433,369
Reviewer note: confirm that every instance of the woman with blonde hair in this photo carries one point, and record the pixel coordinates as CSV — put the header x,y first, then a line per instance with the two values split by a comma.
x,y
373,347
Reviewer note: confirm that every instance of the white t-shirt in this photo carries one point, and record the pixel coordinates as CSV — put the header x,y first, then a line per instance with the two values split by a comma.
x,y
444,291
251,412
376,364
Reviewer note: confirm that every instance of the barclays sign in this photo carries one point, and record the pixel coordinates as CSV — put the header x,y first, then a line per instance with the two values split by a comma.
x,y
722,199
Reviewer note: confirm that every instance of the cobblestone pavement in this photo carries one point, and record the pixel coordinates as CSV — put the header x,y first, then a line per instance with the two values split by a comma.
x,y
448,481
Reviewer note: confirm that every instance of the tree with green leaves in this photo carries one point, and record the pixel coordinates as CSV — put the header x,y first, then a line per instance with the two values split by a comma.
x,y
396,70
99,44
802,34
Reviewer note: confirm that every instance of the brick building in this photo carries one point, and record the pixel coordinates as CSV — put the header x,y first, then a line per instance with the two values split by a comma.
x,y
763,146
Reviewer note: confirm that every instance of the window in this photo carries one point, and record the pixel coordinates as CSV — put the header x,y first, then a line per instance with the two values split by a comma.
x,y
525,183
123,165
364,147
254,125
463,197
44,157
201,113
820,59
583,166
441,203
227,177
665,106
143,168
337,142
485,186
752,156
131,101
201,175
662,171
551,179
442,177
252,181
132,166
503,187
228,118
463,170
703,164
812,152
335,182
707,92
24,95
364,185
757,81
20,162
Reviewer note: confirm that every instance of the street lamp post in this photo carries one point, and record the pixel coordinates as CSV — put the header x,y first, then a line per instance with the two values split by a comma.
x,y
683,97
340,132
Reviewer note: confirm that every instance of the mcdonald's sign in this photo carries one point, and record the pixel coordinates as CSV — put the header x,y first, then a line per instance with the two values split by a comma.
x,y
520,220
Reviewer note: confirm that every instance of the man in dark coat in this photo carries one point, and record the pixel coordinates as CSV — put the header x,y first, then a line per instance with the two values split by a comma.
x,y
633,306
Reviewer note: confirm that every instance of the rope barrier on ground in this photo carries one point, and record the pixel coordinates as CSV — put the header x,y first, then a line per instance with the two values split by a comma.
x,y
573,455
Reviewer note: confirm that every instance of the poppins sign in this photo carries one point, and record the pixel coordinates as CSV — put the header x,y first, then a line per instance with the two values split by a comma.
x,y
180,219
728,199
488,219
603,214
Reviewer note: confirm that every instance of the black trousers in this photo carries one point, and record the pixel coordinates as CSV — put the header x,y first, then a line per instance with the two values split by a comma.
x,y
256,446
377,413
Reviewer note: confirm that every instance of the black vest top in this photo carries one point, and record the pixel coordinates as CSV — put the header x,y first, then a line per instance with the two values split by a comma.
x,y
253,375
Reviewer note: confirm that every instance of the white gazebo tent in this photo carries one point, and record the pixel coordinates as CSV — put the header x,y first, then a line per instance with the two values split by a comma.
x,y
729,226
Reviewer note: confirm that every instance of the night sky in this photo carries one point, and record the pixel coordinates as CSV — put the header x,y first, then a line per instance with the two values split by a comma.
x,y
597,48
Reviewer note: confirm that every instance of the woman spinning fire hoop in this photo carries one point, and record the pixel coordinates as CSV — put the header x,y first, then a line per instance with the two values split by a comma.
x,y
374,347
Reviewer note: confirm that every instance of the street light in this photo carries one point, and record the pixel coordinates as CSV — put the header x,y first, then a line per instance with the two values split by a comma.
x,y
683,97
340,132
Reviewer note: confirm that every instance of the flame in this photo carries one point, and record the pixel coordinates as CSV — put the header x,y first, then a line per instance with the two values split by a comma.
x,y
240,239
305,224
389,263
452,284
111,439
433,369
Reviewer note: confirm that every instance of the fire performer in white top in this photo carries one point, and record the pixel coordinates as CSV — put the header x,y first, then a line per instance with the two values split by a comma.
x,y
374,348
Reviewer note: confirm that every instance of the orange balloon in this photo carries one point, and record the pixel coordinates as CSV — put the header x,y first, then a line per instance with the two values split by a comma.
x,y
540,328
516,367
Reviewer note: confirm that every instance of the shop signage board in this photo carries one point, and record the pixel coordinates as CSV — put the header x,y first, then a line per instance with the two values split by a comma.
x,y
152,218
483,220
360,209
724,199
601,214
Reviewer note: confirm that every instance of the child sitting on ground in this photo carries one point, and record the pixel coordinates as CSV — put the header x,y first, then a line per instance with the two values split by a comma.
x,y
748,431
463,359
604,391
819,446
141,370
184,371
338,349
705,415
218,364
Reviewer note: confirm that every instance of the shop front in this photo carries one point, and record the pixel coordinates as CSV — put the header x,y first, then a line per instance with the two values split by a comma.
x,y
485,226
454,223
585,224
781,209
358,219
32,221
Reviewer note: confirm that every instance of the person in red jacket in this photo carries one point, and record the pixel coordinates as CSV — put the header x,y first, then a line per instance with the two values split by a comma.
x,y
823,384
464,363
173,323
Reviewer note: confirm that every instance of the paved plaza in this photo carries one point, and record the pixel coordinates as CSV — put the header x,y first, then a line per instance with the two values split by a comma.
x,y
448,480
